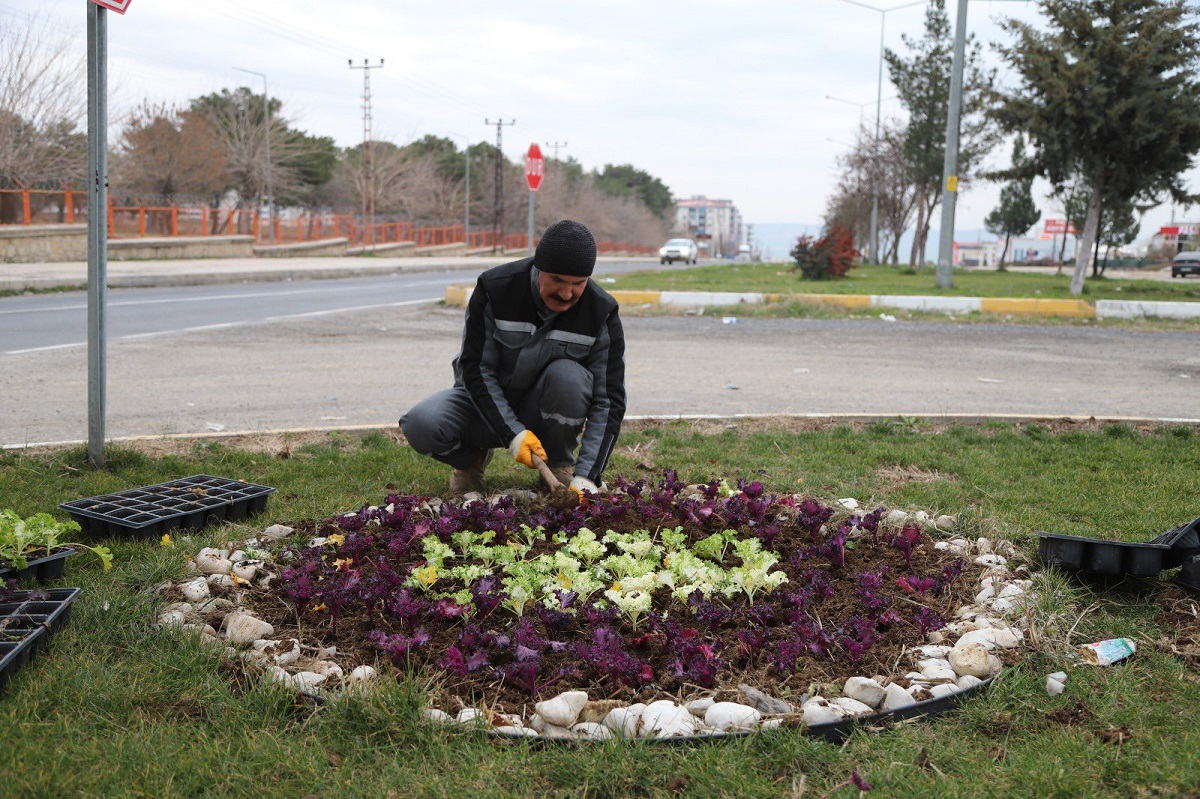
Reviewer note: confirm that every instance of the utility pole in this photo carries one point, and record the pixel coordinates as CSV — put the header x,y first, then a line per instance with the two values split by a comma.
x,y
945,262
554,145
368,192
498,205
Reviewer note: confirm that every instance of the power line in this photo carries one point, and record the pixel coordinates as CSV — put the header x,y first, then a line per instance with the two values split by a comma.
x,y
498,205
368,194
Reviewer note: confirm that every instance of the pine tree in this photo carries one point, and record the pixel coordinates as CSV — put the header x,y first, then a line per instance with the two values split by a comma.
x,y
1107,94
923,83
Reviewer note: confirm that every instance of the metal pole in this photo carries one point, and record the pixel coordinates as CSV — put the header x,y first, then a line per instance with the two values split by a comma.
x,y
467,202
97,157
529,241
945,264
875,148
267,117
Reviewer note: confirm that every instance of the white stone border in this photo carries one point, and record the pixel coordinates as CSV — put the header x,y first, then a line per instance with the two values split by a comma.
x,y
212,607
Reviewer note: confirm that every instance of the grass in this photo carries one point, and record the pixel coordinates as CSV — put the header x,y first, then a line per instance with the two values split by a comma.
x,y
118,708
775,278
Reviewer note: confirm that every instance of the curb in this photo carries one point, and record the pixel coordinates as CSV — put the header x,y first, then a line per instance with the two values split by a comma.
x,y
664,418
1079,309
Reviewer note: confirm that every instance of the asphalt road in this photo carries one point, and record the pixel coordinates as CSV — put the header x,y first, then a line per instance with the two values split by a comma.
x,y
45,321
366,366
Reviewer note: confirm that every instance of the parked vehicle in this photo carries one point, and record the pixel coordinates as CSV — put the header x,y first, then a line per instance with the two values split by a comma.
x,y
678,250
1186,263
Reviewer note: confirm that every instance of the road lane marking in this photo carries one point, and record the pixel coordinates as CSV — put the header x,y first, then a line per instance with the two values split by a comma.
x,y
210,298
224,325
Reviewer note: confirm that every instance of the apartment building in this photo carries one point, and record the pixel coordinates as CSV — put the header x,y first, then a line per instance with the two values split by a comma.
x,y
716,225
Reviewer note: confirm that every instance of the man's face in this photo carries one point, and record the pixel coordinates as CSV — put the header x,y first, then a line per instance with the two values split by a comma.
x,y
560,292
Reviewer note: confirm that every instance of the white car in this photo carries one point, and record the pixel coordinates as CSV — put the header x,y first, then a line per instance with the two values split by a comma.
x,y
678,250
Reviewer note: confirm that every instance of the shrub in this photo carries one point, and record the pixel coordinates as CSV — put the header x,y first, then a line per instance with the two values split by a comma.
x,y
830,256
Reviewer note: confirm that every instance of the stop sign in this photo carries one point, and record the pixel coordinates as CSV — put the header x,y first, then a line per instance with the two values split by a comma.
x,y
535,167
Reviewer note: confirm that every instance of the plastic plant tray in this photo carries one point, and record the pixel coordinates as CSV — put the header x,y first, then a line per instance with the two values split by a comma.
x,y
17,646
1184,543
46,608
1189,575
1098,556
187,503
39,570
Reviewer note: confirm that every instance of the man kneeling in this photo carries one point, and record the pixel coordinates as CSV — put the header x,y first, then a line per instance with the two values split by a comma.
x,y
541,370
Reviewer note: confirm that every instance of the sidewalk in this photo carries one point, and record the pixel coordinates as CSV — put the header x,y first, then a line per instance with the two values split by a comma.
x,y
208,271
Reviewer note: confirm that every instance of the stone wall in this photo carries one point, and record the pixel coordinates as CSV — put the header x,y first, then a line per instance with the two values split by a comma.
x,y
22,244
158,249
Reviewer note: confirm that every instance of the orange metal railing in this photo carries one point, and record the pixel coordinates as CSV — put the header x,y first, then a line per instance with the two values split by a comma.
x,y
69,206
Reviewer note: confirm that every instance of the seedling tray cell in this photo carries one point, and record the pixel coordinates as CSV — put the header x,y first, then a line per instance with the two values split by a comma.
x,y
17,646
50,608
39,570
187,503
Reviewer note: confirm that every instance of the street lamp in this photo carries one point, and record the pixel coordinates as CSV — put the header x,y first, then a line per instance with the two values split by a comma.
x,y
267,116
883,12
467,202
861,106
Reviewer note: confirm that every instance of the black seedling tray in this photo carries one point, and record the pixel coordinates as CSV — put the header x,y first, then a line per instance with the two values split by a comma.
x,y
46,608
1098,556
17,646
187,503
39,570
1189,575
1184,543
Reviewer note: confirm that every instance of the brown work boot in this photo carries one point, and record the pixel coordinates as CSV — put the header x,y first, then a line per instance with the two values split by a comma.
x,y
563,473
463,481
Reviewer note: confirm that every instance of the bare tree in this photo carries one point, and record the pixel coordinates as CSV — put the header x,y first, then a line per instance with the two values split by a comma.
x,y
850,204
41,105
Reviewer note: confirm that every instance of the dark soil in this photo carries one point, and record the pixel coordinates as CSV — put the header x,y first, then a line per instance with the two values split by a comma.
x,y
744,638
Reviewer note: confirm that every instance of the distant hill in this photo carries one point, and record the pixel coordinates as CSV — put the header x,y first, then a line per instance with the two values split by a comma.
x,y
776,239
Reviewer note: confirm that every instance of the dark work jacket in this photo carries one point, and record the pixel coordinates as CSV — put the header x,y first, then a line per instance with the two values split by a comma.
x,y
507,344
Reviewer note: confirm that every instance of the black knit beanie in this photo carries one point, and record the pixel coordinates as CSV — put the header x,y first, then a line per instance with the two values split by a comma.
x,y
566,248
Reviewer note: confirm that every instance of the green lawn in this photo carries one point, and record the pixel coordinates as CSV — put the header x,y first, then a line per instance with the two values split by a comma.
x,y
873,279
117,708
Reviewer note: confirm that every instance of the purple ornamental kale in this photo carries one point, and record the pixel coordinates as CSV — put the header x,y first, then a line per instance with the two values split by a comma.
x,y
906,541
400,647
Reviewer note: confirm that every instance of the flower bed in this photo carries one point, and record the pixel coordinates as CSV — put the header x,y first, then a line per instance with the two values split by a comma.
x,y
705,591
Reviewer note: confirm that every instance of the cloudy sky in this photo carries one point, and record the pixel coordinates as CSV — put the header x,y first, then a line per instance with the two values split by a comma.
x,y
722,98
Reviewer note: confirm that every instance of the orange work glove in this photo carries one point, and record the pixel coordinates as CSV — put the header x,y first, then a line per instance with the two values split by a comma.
x,y
524,446
582,486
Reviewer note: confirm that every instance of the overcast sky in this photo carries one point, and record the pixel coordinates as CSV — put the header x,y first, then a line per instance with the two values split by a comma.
x,y
722,98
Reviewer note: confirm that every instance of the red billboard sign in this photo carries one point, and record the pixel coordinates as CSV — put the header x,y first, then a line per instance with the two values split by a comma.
x,y
1056,226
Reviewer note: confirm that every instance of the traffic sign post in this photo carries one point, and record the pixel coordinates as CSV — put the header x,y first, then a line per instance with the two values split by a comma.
x,y
535,170
114,5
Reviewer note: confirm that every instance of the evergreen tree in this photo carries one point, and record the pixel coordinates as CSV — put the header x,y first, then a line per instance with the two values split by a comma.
x,y
1107,94
1016,212
923,83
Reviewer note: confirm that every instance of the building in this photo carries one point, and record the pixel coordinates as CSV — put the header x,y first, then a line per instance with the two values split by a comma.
x,y
716,225
1176,238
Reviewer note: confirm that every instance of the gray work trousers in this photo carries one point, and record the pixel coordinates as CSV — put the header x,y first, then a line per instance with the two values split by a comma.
x,y
446,425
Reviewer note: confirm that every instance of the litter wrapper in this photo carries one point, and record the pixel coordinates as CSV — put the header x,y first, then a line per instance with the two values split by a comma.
x,y
1106,653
